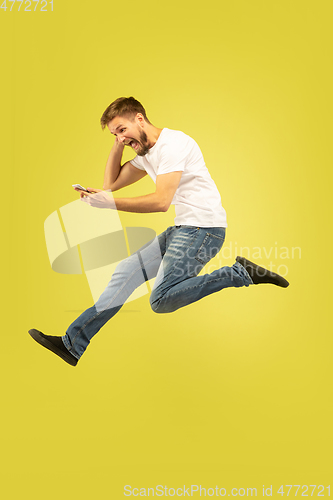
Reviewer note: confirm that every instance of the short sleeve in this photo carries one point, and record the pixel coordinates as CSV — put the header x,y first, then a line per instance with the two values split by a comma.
x,y
173,158
135,162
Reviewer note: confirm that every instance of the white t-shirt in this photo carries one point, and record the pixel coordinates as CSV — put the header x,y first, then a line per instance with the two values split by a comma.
x,y
197,200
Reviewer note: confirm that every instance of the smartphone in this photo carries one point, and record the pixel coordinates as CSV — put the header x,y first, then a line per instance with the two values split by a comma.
x,y
79,187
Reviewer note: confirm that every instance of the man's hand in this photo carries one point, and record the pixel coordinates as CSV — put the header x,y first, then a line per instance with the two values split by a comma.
x,y
97,198
119,142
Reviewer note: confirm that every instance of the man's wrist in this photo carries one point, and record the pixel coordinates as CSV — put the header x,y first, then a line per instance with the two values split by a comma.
x,y
119,145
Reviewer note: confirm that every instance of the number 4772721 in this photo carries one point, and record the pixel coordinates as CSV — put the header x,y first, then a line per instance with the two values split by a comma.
x,y
304,490
29,5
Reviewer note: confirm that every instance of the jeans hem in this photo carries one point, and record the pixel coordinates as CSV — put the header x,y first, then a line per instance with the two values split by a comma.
x,y
244,272
69,347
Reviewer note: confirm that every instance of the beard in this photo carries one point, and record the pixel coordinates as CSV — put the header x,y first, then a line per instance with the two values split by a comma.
x,y
143,144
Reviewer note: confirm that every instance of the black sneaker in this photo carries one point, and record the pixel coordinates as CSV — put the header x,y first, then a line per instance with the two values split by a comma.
x,y
54,344
261,275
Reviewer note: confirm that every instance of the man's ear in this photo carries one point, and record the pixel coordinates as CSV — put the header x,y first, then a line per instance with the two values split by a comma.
x,y
140,119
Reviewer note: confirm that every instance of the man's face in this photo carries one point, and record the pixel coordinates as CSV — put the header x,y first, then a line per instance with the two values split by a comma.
x,y
130,133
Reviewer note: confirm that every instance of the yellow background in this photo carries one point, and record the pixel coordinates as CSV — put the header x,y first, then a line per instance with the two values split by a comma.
x,y
235,390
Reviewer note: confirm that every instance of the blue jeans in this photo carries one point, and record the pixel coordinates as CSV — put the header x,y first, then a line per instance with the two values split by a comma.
x,y
175,258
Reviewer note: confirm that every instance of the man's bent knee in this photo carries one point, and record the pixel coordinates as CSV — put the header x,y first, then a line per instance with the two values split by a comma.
x,y
156,304
155,308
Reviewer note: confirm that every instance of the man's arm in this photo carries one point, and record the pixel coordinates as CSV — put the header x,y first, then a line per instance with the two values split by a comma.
x,y
159,201
117,176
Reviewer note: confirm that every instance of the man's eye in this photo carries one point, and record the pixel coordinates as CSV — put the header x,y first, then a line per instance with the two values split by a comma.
x,y
122,130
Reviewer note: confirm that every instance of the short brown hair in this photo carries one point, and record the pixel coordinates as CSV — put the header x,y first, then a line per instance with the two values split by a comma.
x,y
123,106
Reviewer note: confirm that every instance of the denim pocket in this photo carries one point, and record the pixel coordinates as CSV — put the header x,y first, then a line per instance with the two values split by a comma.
x,y
209,248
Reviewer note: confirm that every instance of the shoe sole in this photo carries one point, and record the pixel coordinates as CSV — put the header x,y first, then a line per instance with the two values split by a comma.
x,y
38,337
263,272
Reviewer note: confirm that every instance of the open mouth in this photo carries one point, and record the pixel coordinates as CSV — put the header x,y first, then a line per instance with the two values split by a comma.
x,y
134,144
